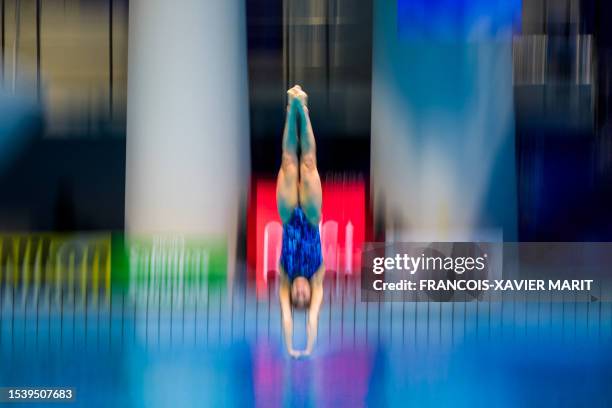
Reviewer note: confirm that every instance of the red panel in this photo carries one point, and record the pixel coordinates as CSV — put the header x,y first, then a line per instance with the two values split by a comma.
x,y
344,203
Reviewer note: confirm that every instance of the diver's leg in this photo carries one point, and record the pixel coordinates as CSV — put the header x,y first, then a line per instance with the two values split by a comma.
x,y
310,194
287,180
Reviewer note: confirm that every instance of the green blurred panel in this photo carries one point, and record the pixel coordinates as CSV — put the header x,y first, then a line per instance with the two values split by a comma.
x,y
164,259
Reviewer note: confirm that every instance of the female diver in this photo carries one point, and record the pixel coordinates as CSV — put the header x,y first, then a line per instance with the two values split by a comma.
x,y
299,198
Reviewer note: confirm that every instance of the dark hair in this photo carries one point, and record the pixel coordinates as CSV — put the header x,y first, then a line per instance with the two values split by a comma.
x,y
294,302
298,305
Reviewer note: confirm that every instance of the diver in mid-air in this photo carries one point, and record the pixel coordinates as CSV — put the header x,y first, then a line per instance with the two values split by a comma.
x,y
299,198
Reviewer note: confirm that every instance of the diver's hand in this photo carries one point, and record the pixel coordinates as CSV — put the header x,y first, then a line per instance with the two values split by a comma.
x,y
298,354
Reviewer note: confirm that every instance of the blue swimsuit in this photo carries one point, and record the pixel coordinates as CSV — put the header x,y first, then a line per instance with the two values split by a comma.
x,y
301,251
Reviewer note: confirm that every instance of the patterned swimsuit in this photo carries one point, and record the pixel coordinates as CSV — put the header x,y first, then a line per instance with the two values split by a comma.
x,y
301,249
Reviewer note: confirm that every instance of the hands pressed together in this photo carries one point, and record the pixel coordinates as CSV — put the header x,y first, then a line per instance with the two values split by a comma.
x,y
297,353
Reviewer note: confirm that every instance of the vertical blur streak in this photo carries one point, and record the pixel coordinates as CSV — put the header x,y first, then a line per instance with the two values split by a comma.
x,y
38,49
2,46
187,127
327,50
110,57
563,179
442,118
16,42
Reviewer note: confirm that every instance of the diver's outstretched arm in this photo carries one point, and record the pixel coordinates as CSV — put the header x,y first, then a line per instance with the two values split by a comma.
x,y
285,304
316,298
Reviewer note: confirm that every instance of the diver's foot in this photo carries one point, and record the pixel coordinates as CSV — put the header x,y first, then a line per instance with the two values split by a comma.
x,y
296,93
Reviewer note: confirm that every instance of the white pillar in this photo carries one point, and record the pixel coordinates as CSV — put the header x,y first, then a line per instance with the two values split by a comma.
x,y
187,117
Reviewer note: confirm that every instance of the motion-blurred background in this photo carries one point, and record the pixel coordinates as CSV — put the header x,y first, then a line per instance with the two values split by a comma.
x,y
454,115
444,120
139,146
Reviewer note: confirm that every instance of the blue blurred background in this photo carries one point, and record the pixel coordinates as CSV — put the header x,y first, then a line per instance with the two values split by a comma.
x,y
138,141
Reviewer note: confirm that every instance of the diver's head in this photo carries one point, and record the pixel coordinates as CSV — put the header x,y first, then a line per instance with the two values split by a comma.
x,y
300,292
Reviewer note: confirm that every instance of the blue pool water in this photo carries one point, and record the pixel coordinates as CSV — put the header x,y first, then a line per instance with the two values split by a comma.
x,y
222,347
